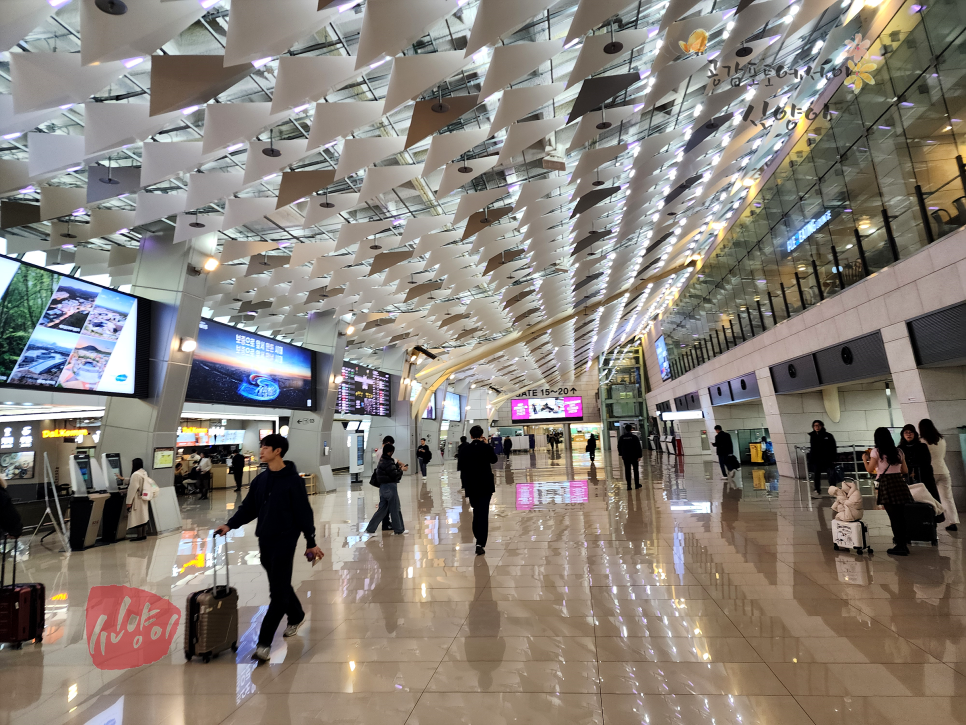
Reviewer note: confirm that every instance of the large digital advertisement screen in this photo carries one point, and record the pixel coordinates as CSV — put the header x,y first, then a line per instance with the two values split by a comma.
x,y
452,407
364,391
665,366
236,367
430,412
536,410
61,332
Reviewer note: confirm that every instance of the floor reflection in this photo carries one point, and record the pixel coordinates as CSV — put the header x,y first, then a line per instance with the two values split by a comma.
x,y
693,599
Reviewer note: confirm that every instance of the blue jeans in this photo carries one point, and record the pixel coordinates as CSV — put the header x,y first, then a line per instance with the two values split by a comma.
x,y
388,504
422,466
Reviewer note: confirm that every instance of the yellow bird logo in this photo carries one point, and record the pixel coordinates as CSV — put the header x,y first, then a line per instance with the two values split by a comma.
x,y
697,42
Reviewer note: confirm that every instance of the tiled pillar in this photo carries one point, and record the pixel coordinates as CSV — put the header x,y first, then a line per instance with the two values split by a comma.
x,y
782,416
935,393
311,431
133,427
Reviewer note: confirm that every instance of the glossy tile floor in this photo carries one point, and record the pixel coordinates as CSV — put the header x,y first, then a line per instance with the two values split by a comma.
x,y
680,602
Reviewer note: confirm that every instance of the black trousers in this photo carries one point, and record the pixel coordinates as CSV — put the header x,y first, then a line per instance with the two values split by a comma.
x,y
896,514
481,523
238,479
205,482
278,562
592,452
630,464
817,477
721,462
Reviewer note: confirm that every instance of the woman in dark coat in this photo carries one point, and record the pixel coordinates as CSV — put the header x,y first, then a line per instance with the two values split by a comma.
x,y
592,446
918,459
822,451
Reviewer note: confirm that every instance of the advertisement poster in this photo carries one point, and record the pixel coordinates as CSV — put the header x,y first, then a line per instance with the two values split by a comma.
x,y
163,457
61,332
665,366
452,407
535,410
363,391
236,367
17,465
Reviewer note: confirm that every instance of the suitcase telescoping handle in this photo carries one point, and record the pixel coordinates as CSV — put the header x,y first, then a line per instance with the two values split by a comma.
x,y
3,563
214,568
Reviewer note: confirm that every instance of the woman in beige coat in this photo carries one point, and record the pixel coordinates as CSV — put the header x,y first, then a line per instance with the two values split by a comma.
x,y
137,507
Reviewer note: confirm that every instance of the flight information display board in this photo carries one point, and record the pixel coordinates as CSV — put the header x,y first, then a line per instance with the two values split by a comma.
x,y
363,391
236,367
57,331
537,410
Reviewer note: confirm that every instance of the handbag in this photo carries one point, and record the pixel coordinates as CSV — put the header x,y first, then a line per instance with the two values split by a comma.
x,y
149,490
373,481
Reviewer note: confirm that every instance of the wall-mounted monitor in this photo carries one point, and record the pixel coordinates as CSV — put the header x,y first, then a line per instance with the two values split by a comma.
x,y
18,465
61,332
363,391
430,412
235,367
538,410
660,347
452,407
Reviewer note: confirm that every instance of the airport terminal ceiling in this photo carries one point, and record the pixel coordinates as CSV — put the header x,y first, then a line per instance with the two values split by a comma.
x,y
439,173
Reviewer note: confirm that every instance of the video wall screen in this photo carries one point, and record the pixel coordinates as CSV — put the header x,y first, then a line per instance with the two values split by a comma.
x,y
452,407
236,367
430,412
537,410
61,332
660,347
363,391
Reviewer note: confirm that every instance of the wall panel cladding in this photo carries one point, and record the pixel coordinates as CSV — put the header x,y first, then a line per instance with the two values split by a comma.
x,y
939,338
745,387
720,393
688,401
855,359
795,375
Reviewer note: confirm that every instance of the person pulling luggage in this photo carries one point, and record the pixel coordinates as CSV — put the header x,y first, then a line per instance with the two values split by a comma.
x,y
277,498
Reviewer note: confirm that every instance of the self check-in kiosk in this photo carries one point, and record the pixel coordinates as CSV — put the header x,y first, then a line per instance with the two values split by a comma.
x,y
114,520
87,505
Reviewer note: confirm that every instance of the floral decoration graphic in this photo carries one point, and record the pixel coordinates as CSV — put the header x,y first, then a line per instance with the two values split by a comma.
x,y
860,70
697,42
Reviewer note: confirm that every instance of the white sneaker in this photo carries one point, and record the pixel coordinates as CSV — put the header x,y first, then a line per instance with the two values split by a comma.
x,y
292,629
403,533
263,654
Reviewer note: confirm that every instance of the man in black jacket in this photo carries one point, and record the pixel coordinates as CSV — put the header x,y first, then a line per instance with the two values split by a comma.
x,y
821,454
423,455
476,468
238,469
388,473
278,500
629,449
723,447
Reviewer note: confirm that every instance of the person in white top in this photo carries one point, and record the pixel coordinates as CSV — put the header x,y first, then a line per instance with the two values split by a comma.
x,y
204,466
137,507
937,451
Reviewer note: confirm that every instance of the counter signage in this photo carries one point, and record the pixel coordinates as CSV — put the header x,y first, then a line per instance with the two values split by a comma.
x,y
534,410
64,433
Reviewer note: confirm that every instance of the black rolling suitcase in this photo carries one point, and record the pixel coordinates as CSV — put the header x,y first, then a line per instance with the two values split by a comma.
x,y
21,605
920,521
212,625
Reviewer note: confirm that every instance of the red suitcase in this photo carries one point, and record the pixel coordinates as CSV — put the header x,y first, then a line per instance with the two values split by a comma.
x,y
21,606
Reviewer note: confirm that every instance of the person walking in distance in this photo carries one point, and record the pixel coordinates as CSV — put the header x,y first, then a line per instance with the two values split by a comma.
x,y
479,457
592,446
462,453
277,498
204,468
724,447
423,455
238,469
388,473
822,451
940,471
630,450
507,446
137,507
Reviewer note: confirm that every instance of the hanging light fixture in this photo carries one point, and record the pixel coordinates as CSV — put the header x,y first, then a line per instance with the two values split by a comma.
x,y
271,151
327,204
614,46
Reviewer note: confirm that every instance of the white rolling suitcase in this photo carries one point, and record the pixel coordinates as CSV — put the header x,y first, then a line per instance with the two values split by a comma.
x,y
850,535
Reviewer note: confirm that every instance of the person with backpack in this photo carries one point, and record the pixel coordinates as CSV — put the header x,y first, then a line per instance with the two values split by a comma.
x,y
479,457
277,498
137,505
423,455
630,450
387,474
724,447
